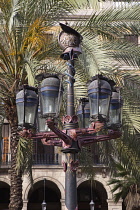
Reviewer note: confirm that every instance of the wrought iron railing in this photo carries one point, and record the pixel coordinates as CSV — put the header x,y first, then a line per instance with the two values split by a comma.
x,y
46,159
49,159
38,159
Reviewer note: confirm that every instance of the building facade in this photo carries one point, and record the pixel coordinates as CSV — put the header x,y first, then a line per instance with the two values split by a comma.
x,y
54,176
49,180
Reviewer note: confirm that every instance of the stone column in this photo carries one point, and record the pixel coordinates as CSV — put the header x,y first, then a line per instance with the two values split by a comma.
x,y
25,205
62,204
114,206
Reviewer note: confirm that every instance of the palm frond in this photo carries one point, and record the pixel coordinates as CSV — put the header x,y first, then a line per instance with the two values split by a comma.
x,y
112,23
24,157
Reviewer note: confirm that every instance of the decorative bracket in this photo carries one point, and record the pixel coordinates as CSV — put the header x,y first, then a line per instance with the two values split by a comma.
x,y
83,137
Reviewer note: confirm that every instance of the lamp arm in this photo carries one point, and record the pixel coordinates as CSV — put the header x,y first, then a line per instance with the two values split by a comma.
x,y
52,142
86,140
60,134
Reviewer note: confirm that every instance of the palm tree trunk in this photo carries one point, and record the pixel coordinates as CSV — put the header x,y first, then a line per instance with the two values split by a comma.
x,y
16,202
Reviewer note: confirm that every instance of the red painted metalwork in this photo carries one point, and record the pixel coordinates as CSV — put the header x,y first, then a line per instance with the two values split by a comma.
x,y
84,136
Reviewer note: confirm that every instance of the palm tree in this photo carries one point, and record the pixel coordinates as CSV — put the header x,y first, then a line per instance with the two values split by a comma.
x,y
126,182
106,52
109,29
127,171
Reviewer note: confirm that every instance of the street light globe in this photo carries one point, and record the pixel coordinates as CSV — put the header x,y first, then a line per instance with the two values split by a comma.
x,y
44,205
91,205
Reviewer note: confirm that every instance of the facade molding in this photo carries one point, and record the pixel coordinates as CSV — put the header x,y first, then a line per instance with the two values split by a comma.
x,y
103,181
58,184
5,180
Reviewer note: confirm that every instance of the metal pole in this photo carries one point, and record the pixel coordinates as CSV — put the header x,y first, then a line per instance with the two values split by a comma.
x,y
70,86
70,176
70,184
91,202
83,114
44,203
44,189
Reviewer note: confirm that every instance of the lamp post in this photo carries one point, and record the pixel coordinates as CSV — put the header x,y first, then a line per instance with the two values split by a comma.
x,y
95,110
44,202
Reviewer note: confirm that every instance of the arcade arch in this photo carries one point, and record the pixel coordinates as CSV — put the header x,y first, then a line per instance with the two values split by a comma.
x,y
54,194
4,195
97,193
100,190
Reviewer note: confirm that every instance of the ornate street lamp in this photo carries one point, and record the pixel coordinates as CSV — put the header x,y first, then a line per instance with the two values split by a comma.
x,y
27,104
95,110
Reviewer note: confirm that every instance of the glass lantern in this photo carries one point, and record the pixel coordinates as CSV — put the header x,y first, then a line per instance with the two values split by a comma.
x,y
27,104
41,123
115,110
83,113
99,93
50,96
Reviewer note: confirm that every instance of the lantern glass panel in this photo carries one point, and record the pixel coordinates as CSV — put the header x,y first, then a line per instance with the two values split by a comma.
x,y
93,101
114,114
27,102
86,122
115,110
83,113
104,100
99,106
49,101
20,111
41,123
30,110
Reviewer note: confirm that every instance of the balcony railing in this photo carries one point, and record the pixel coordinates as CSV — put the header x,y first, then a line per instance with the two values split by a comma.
x,y
38,159
49,159
46,159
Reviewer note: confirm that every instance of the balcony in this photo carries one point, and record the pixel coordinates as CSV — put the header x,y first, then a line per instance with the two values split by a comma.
x,y
38,159
45,159
48,155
